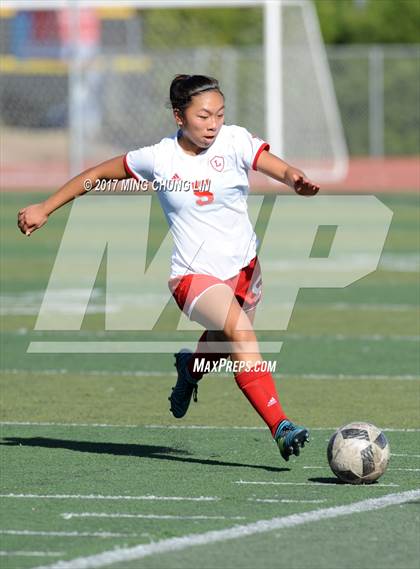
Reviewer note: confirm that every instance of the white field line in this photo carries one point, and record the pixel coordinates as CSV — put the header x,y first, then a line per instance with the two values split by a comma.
x,y
93,373
52,424
128,373
71,515
65,533
344,306
102,497
4,553
399,262
287,336
127,554
132,347
349,338
270,483
406,469
405,455
351,377
166,427
28,303
285,501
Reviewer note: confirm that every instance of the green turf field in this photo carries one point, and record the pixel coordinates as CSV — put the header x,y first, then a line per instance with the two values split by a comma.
x,y
95,468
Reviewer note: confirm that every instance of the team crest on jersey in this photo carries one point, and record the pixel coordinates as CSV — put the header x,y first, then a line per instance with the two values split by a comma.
x,y
218,163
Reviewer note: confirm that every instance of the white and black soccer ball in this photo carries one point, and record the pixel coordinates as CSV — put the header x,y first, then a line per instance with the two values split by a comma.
x,y
358,453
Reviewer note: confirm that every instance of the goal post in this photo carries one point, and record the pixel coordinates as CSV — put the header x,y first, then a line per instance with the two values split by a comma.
x,y
297,111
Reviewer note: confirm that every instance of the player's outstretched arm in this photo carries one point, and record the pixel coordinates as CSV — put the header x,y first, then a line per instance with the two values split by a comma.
x,y
272,166
35,216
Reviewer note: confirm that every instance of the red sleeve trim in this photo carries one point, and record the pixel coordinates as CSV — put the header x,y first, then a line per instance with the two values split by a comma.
x,y
264,146
129,170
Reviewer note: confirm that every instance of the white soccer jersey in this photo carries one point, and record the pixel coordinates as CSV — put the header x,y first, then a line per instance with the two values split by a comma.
x,y
204,199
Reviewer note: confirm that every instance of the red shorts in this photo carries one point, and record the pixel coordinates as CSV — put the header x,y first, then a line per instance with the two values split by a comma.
x,y
247,286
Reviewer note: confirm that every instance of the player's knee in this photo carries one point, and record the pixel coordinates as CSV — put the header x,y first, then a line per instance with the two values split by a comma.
x,y
216,336
233,334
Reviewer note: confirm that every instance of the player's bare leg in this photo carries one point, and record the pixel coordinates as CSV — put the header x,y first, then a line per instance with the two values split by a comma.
x,y
211,350
216,337
218,310
213,309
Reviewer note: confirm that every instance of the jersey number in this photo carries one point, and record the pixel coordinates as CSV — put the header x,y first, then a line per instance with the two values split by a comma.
x,y
204,198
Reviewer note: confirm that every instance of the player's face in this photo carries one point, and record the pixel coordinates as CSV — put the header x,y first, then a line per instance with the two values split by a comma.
x,y
203,119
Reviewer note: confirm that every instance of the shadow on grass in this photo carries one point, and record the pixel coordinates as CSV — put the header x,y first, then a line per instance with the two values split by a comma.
x,y
121,449
326,480
332,480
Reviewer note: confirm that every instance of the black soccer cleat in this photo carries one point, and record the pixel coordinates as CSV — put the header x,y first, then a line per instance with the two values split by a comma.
x,y
185,388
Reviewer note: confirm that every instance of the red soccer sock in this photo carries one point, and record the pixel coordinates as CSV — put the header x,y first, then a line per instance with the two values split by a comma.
x,y
202,353
260,390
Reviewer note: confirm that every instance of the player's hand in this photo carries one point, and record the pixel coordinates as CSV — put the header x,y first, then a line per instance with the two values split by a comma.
x,y
31,218
300,183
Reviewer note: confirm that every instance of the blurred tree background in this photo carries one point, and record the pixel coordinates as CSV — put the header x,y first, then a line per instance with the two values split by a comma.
x,y
205,26
342,22
369,21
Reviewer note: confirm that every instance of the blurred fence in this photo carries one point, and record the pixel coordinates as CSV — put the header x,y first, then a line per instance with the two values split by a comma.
x,y
377,88
118,85
378,92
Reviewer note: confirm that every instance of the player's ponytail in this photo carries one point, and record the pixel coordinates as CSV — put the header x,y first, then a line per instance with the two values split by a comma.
x,y
184,87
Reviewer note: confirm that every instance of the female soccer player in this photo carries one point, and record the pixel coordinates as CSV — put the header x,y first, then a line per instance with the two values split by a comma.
x,y
215,275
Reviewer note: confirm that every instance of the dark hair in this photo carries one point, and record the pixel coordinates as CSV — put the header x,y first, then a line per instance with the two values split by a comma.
x,y
184,87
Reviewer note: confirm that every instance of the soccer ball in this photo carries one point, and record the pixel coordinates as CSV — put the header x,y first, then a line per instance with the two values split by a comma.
x,y
358,453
